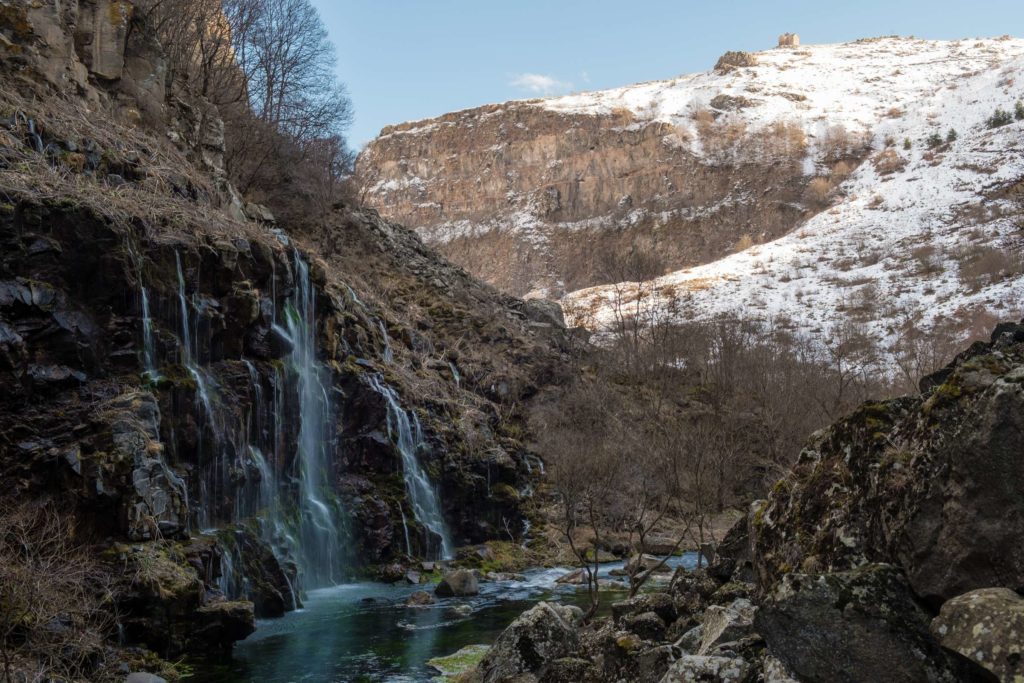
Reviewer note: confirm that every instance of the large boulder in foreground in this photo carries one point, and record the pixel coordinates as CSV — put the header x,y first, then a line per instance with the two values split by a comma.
x,y
986,625
459,583
858,626
930,483
528,647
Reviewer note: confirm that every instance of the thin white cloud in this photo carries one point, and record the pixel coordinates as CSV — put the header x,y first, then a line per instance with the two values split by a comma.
x,y
540,84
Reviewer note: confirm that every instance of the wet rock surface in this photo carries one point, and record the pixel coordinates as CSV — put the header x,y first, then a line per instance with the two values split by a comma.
x,y
458,583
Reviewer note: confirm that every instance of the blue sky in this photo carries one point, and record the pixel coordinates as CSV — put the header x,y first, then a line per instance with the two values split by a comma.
x,y
413,59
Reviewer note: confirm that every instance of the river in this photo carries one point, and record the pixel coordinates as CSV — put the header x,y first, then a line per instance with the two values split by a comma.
x,y
362,632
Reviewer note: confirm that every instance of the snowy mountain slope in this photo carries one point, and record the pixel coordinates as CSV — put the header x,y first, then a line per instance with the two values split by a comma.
x,y
930,230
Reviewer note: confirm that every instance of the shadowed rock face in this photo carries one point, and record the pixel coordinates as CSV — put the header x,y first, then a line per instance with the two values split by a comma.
x,y
860,625
929,483
528,198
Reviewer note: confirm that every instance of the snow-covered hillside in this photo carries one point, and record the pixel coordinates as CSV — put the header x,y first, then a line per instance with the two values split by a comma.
x,y
920,227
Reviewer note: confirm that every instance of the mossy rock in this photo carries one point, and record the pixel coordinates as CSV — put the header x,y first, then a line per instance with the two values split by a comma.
x,y
455,666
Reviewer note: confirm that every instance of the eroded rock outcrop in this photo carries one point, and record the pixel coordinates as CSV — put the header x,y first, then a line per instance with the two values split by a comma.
x,y
533,199
928,483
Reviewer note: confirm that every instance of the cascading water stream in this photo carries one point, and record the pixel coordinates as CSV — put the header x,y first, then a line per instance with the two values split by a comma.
x,y
148,345
405,531
296,514
188,350
389,355
319,529
426,507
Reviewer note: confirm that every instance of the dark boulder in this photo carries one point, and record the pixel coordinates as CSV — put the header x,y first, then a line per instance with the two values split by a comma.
x,y
659,603
532,643
858,626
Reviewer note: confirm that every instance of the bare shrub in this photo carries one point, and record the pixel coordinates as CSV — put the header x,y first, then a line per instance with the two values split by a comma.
x,y
745,242
838,144
722,139
52,593
928,259
817,191
981,265
781,141
888,161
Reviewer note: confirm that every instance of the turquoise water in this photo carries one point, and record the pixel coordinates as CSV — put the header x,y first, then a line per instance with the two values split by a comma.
x,y
363,632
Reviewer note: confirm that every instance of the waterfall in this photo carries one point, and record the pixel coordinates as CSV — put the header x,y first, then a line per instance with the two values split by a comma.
x,y
243,450
148,346
389,355
408,436
405,530
319,533
188,349
455,375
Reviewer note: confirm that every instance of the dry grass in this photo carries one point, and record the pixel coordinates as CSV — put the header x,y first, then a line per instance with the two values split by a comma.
x,y
165,194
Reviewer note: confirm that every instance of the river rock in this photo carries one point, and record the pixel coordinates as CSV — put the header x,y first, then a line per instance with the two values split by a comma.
x,y
420,599
986,625
659,603
659,545
690,641
532,642
458,583
220,624
645,562
463,610
854,627
575,577
725,624
691,668
775,671
647,625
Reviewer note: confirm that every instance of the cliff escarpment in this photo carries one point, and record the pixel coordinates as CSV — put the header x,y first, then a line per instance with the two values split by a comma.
x,y
529,198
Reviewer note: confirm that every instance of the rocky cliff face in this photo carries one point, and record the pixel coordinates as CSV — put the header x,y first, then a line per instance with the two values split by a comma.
x,y
748,181
531,198
231,415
